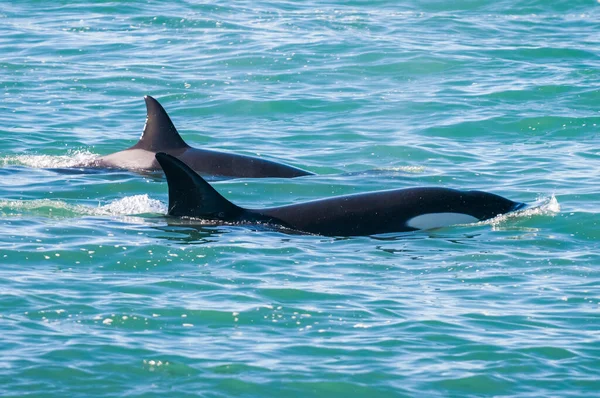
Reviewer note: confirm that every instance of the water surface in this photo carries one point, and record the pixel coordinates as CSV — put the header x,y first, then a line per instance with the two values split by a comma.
x,y
102,296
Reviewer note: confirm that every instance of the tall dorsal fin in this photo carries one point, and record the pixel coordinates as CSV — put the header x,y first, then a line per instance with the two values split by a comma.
x,y
159,132
190,195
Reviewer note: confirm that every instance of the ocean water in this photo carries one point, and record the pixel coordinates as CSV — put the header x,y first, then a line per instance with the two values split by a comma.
x,y
102,296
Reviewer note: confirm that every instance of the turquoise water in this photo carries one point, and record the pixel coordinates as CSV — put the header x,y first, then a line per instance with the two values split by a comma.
x,y
102,297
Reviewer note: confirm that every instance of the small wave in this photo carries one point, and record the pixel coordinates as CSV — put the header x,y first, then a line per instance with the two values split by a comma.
x,y
73,158
405,169
43,206
388,170
129,205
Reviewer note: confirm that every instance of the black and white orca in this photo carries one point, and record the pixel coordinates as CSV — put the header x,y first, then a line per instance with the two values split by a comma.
x,y
372,213
160,135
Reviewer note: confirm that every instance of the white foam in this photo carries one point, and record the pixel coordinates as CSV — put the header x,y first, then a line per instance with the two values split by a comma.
x,y
129,205
405,169
545,206
71,159
137,204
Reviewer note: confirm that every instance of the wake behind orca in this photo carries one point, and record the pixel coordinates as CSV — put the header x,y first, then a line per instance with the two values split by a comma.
x,y
372,213
160,135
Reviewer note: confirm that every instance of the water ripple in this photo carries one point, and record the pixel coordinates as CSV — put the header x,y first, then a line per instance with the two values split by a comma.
x,y
102,294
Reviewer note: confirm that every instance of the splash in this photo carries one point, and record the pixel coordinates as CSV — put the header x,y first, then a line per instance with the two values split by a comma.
x,y
137,204
543,207
73,158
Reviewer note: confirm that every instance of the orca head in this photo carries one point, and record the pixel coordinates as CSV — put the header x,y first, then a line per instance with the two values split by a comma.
x,y
485,205
462,207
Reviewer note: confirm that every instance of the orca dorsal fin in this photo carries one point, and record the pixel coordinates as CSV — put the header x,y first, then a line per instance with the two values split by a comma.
x,y
190,195
159,133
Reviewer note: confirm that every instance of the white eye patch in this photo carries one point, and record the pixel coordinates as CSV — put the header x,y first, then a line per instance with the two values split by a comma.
x,y
438,220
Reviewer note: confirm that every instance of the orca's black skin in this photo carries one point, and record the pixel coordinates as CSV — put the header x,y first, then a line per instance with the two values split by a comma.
x,y
160,135
371,213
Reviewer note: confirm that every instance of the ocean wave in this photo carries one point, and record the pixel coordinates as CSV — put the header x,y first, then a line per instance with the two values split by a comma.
x,y
73,158
129,205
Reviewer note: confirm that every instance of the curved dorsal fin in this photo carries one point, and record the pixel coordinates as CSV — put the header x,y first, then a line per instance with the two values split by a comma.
x,y
159,132
190,195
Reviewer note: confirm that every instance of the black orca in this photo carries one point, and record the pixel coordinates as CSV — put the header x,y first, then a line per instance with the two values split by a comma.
x,y
372,213
160,135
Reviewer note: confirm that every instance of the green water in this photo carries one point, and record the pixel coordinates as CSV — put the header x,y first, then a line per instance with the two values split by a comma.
x,y
101,296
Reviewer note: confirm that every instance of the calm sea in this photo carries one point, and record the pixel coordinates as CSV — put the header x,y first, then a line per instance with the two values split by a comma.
x,y
100,296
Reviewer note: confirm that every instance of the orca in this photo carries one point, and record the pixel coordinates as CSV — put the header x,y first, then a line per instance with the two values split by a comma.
x,y
160,135
372,213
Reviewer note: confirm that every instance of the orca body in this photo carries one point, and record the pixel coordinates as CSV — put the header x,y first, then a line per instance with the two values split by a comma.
x,y
372,213
160,135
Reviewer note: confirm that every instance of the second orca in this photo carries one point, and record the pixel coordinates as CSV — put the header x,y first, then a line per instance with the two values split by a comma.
x,y
160,135
372,213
